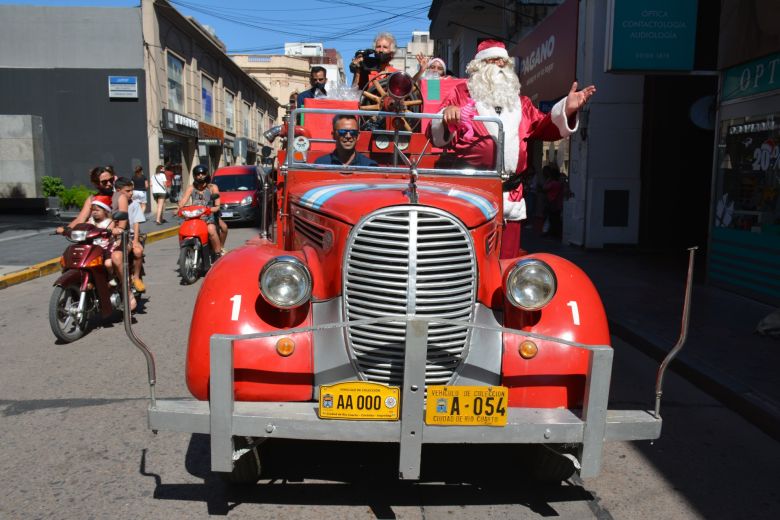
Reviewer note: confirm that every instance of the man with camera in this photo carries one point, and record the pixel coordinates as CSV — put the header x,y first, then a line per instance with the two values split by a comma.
x,y
368,63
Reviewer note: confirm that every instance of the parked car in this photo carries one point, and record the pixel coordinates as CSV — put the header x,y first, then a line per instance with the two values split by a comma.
x,y
239,193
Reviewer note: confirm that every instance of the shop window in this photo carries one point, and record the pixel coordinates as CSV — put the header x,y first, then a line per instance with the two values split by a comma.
x,y
245,119
747,195
230,112
207,98
175,83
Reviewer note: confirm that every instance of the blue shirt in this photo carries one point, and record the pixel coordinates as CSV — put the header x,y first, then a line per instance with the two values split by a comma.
x,y
359,160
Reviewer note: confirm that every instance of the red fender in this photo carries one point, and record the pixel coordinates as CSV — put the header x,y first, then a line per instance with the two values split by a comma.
x,y
229,302
555,377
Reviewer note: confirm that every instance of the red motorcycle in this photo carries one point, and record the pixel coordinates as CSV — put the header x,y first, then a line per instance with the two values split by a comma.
x,y
195,254
82,291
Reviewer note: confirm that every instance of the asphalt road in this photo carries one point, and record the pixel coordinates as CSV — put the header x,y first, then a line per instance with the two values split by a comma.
x,y
74,442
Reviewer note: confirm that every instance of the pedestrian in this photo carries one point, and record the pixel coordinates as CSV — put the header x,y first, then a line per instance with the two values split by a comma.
x,y
553,194
160,193
140,187
176,189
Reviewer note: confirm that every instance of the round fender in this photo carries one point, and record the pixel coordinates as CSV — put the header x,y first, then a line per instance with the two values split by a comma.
x,y
229,302
555,377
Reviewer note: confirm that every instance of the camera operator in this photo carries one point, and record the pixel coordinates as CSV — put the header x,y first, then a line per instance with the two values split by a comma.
x,y
368,63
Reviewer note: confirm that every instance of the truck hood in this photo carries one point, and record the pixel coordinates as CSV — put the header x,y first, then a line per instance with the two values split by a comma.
x,y
350,201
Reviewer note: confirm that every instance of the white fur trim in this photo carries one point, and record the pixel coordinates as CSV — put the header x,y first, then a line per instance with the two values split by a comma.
x,y
514,210
492,52
558,116
438,128
511,120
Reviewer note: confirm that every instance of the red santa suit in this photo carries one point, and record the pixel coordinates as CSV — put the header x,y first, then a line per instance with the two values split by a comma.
x,y
474,142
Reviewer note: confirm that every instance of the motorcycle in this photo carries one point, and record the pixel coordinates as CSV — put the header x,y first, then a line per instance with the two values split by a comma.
x,y
82,291
195,254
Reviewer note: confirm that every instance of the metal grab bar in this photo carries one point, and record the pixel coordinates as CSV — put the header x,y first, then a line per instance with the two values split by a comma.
x,y
659,381
150,365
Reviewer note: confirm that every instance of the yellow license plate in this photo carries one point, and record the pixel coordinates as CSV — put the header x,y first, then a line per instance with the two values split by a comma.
x,y
359,401
466,406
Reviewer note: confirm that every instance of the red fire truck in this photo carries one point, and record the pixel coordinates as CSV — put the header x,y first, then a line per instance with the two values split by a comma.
x,y
376,309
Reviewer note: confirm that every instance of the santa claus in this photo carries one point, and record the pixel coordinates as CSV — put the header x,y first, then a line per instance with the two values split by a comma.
x,y
493,89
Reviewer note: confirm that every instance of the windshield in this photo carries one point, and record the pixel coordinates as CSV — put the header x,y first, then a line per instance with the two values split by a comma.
x,y
242,182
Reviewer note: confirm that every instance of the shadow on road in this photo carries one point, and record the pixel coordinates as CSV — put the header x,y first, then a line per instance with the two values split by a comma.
x,y
352,474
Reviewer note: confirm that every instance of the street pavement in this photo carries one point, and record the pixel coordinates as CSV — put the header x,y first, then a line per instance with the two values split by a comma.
x,y
642,293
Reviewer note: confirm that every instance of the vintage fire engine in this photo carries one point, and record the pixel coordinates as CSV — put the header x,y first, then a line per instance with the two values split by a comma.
x,y
379,311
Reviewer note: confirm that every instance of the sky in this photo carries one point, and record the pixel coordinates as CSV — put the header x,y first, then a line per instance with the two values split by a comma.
x,y
263,26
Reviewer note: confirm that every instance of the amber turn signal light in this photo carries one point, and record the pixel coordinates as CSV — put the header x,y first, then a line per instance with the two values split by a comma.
x,y
528,349
285,347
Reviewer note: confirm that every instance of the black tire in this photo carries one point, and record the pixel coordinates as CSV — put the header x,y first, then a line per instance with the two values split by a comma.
x,y
246,470
548,465
187,268
63,324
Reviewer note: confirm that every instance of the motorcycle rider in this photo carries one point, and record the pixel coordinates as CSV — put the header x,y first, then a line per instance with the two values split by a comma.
x,y
203,193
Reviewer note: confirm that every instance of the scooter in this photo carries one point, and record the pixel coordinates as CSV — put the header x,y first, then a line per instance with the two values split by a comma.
x,y
82,291
195,254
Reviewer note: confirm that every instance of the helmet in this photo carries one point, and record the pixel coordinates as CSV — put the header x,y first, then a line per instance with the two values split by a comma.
x,y
201,169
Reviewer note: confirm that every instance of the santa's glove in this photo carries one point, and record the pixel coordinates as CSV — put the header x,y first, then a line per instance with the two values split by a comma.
x,y
465,129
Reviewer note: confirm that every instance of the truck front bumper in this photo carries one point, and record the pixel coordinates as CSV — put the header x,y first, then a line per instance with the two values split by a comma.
x,y
222,417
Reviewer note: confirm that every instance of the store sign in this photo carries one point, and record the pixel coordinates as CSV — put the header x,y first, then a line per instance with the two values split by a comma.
x,y
651,35
755,77
123,87
548,54
179,123
211,135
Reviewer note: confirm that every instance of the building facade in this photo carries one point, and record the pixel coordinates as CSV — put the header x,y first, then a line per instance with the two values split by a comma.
x,y
128,87
284,75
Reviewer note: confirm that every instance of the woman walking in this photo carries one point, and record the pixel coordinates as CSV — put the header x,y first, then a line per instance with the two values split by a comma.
x,y
140,187
159,193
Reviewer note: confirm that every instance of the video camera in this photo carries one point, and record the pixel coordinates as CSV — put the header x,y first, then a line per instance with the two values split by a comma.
x,y
370,61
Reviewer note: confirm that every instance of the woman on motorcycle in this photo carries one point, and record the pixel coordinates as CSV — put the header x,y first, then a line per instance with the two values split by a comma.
x,y
103,179
203,193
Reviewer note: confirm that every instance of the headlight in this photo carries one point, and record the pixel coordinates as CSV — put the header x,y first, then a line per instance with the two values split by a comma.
x,y
78,235
285,282
246,200
531,284
192,213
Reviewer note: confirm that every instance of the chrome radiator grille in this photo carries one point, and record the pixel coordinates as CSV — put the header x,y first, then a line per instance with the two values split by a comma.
x,y
408,261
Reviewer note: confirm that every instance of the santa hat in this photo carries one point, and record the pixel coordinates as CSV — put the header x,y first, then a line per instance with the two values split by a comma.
x,y
439,61
101,205
491,49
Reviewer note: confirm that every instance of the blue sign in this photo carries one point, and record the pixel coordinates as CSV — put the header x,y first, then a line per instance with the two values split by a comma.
x,y
652,35
123,87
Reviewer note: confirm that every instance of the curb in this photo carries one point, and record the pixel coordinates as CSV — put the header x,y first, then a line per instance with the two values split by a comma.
x,y
758,410
52,266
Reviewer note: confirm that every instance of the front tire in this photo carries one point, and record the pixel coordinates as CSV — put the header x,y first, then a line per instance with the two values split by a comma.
x,y
187,268
63,320
246,470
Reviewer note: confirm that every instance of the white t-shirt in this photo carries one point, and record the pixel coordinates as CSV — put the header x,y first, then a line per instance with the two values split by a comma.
x,y
158,183
134,213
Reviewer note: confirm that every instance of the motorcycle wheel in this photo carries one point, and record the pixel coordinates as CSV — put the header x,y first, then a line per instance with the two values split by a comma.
x,y
62,306
187,268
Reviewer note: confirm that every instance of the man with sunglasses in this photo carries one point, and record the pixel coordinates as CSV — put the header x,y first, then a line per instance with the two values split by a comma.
x,y
345,132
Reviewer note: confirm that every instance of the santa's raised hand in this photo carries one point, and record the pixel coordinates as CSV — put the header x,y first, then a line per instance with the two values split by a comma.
x,y
576,99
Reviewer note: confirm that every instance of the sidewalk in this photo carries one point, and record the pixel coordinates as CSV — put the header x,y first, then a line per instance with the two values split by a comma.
x,y
28,249
643,295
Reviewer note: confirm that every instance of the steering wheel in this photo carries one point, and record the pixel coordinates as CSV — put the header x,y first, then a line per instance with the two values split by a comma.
x,y
375,96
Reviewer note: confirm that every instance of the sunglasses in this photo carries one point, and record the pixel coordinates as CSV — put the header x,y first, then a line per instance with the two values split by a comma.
x,y
320,80
106,181
344,132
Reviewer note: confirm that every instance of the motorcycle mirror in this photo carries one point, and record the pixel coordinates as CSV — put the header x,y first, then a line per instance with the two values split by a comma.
x,y
119,215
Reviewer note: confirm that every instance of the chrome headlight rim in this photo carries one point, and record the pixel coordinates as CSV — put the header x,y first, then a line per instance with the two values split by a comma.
x,y
305,294
525,264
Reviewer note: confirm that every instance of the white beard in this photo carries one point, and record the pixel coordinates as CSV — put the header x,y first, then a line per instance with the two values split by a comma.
x,y
491,86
